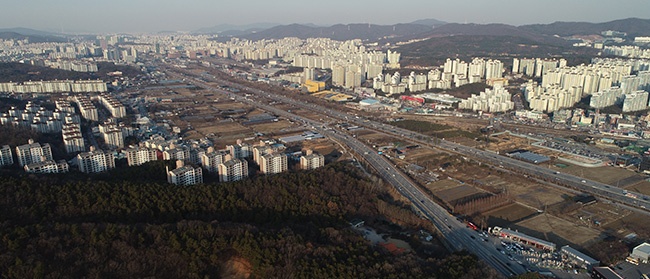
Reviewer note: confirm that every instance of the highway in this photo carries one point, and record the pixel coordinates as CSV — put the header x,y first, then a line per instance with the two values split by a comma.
x,y
595,188
458,236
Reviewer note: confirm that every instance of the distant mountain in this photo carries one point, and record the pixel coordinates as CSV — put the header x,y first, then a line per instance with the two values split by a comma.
x,y
632,26
361,31
230,27
6,34
495,29
429,22
29,32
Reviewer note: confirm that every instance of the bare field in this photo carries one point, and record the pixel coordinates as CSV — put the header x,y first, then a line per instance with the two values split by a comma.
x,y
510,213
558,230
443,184
632,223
226,105
272,127
598,214
642,187
607,175
459,192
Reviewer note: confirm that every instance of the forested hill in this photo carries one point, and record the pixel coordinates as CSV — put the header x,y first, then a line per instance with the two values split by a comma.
x,y
292,225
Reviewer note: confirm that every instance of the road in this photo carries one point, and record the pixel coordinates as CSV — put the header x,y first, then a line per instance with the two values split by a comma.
x,y
458,236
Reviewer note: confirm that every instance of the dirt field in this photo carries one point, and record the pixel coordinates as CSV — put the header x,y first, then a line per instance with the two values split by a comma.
x,y
598,214
632,223
272,127
642,187
442,185
456,193
607,175
508,214
558,230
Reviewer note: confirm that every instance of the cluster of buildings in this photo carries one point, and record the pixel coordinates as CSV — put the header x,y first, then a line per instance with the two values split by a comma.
x,y
453,73
54,86
626,51
490,100
563,87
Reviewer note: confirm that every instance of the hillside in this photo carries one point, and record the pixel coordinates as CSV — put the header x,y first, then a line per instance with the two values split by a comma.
x,y
366,32
632,26
436,50
291,225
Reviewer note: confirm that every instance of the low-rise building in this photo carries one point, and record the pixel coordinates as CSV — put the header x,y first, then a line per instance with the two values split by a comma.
x,y
48,166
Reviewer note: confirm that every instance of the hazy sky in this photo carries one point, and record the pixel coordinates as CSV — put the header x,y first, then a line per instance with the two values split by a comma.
x,y
187,15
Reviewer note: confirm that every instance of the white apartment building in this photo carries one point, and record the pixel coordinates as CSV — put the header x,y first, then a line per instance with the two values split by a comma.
x,y
87,109
605,98
184,175
33,153
72,137
241,150
116,108
311,161
635,101
273,163
177,153
96,161
6,157
139,155
48,166
233,170
497,100
212,159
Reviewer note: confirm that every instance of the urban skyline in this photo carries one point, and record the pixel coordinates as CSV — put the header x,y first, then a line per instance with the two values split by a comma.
x,y
72,16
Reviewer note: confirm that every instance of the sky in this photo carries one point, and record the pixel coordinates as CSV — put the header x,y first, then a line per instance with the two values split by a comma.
x,y
137,16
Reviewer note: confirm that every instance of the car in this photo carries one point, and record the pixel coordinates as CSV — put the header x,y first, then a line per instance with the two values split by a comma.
x,y
472,237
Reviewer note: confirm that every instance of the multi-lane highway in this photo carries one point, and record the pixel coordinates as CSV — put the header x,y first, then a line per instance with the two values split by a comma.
x,y
457,235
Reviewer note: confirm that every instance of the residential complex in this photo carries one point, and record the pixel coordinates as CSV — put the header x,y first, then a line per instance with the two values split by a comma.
x,y
273,163
33,153
184,175
311,161
139,155
96,161
233,169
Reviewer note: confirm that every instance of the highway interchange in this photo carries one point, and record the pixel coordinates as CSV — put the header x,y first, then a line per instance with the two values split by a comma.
x,y
457,235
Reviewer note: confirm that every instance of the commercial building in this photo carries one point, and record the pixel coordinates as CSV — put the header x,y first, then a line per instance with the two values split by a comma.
x,y
184,175
523,238
641,252
95,161
33,153
311,161
48,166
273,163
140,155
6,158
604,272
233,169
579,258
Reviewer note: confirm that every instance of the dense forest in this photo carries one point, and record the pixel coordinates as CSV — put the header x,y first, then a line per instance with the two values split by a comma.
x,y
130,223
